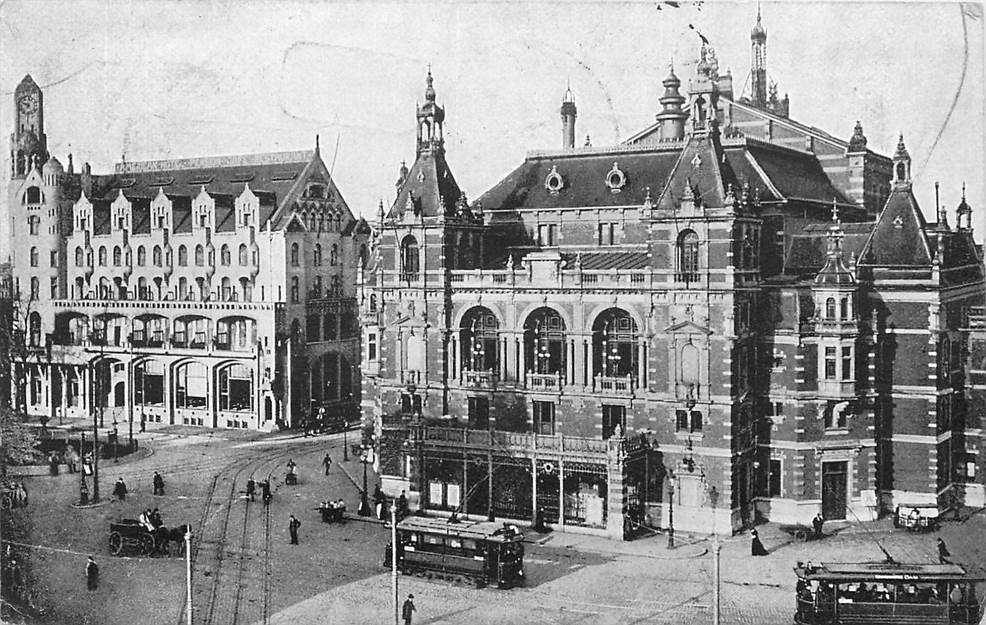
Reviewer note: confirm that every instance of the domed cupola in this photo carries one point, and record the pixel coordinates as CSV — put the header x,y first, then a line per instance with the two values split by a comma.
x,y
857,143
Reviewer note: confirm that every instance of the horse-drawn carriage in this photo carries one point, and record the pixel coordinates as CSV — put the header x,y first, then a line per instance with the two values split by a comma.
x,y
130,537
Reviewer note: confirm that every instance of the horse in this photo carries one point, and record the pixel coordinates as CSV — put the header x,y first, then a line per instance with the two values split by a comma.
x,y
170,535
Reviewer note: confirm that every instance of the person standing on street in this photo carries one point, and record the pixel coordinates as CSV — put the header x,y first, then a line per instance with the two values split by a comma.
x,y
92,574
756,547
402,505
293,526
120,490
407,611
327,462
158,484
817,523
943,553
251,488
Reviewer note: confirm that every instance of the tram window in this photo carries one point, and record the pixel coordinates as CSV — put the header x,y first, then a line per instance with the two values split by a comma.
x,y
455,543
469,544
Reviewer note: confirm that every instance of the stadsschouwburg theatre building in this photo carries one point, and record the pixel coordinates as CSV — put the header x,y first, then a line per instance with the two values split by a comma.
x,y
730,315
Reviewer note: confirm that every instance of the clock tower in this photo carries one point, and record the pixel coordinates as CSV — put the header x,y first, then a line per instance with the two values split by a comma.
x,y
28,143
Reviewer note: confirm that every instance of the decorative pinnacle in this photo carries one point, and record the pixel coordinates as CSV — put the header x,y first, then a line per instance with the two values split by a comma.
x,y
835,211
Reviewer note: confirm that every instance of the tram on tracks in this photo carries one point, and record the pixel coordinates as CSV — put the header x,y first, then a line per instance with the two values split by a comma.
x,y
477,552
886,593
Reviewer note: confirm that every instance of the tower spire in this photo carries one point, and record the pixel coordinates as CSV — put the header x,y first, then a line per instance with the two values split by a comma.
x,y
569,113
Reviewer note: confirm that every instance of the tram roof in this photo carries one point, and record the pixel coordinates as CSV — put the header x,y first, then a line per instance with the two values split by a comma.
x,y
866,571
463,528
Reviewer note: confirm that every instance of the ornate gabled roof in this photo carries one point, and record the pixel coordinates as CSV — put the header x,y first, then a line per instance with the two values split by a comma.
x,y
701,171
430,189
899,238
807,254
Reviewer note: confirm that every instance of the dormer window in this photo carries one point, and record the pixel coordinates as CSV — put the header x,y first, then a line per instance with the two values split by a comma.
x,y
615,179
554,182
33,195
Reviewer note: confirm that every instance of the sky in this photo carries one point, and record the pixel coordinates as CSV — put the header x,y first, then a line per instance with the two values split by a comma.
x,y
153,80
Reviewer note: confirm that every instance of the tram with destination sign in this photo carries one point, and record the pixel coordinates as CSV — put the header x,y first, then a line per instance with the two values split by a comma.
x,y
886,593
476,552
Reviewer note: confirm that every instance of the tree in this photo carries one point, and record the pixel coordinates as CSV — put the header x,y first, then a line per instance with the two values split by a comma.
x,y
17,437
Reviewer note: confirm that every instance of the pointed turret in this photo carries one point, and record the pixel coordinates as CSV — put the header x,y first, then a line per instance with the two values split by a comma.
x,y
672,117
902,164
857,142
568,116
835,271
963,213
431,119
758,64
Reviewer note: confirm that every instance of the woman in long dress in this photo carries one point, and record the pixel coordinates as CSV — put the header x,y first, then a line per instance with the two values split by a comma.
x,y
756,547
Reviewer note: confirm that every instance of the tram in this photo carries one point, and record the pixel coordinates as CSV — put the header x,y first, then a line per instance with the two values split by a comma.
x,y
886,593
482,553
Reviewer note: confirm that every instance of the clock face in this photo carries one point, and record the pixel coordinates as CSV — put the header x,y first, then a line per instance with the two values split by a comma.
x,y
29,103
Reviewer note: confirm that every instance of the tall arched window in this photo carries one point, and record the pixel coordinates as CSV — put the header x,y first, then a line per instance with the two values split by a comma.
x,y
544,342
294,254
34,257
844,308
236,388
688,256
199,256
614,341
318,254
295,295
317,286
409,259
226,290
35,329
141,256
79,257
224,256
35,288
117,256
102,256
156,256
478,340
183,291
830,308
244,255
334,255
182,256
191,386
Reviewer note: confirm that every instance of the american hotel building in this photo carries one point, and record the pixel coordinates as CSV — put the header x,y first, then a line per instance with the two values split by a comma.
x,y
730,316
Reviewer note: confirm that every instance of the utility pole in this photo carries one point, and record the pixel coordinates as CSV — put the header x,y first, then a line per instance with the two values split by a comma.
x,y
188,576
393,561
716,550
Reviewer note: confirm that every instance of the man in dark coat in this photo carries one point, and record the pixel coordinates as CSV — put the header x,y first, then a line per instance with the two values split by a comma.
x,y
327,462
817,523
402,505
265,488
756,547
251,488
293,526
158,484
120,490
407,610
943,553
92,574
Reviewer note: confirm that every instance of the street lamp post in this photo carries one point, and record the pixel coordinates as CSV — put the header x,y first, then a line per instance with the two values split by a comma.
x,y
345,440
716,550
671,510
364,504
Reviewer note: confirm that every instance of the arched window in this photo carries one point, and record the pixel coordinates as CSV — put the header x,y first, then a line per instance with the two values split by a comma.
x,y
318,254
334,255
199,256
544,342
294,254
373,302
183,292
156,255
844,308
224,256
34,326
226,290
330,329
191,385
317,287
363,256
244,255
830,308
236,388
409,259
141,256
102,256
149,383
182,256
690,367
34,257
295,295
35,288
246,289
117,256
478,340
614,342
688,256
79,257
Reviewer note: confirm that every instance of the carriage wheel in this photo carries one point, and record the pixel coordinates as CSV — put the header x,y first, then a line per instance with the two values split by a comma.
x,y
146,545
116,543
801,536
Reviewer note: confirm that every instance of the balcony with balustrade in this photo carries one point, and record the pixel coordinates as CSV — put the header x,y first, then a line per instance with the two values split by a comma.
x,y
479,379
545,382
514,444
614,385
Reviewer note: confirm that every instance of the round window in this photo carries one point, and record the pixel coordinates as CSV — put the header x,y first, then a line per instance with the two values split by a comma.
x,y
615,179
554,182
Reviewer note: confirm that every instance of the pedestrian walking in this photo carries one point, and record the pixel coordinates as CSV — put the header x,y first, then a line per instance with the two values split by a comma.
x,y
120,490
380,502
943,554
327,462
72,459
293,526
92,574
291,466
756,547
265,488
251,488
407,610
158,484
53,463
817,523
